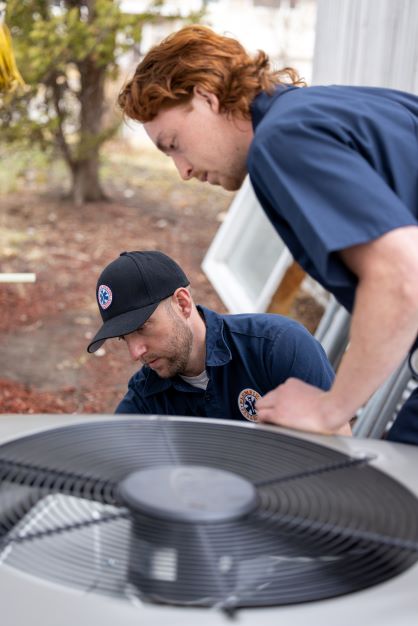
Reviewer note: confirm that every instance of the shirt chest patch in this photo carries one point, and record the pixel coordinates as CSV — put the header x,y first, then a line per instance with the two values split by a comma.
x,y
246,403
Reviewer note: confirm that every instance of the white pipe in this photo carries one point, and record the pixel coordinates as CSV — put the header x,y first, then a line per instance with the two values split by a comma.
x,y
17,278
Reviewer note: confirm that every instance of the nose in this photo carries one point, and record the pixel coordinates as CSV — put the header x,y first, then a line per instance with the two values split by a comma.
x,y
183,166
136,346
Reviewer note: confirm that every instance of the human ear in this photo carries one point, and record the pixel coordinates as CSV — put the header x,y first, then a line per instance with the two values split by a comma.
x,y
207,97
183,301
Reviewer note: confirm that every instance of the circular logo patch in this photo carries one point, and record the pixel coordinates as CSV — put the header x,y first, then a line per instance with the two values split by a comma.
x,y
246,403
104,296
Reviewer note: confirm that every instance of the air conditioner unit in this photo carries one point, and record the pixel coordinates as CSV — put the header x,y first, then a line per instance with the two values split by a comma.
x,y
156,520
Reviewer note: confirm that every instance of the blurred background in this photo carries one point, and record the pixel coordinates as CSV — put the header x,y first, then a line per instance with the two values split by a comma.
x,y
78,185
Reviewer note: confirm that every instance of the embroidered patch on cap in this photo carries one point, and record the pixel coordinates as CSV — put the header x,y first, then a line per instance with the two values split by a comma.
x,y
246,404
104,296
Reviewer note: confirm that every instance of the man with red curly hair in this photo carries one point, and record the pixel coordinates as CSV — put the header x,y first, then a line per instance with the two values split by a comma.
x,y
335,169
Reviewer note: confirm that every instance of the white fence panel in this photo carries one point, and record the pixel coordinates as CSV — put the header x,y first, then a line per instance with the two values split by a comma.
x,y
367,42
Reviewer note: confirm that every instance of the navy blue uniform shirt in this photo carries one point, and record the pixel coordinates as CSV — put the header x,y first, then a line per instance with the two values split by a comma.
x,y
334,167
246,356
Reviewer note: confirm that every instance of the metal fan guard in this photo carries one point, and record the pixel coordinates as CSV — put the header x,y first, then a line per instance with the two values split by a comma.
x,y
324,524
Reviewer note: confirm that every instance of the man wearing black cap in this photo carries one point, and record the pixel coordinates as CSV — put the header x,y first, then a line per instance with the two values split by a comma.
x,y
196,362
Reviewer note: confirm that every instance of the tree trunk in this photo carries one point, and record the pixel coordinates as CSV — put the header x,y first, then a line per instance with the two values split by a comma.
x,y
85,167
85,181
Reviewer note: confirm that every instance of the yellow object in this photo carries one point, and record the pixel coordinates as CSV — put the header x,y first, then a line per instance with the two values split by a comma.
x,y
10,77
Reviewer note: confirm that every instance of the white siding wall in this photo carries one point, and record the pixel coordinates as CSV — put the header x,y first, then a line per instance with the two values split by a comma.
x,y
367,42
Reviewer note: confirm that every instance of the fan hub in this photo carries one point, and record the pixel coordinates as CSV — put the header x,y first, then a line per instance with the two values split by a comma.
x,y
188,493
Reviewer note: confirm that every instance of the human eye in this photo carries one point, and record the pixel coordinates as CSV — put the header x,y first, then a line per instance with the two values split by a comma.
x,y
170,146
170,149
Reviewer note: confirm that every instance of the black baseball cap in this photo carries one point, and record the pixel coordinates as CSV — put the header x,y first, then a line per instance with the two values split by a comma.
x,y
129,290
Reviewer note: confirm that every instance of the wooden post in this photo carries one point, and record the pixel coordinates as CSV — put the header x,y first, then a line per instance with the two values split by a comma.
x,y
287,290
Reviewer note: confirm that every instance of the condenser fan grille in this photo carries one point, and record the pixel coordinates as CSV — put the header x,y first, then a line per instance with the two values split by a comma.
x,y
316,523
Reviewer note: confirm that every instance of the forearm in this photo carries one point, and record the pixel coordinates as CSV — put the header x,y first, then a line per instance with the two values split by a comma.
x,y
384,326
380,338
385,318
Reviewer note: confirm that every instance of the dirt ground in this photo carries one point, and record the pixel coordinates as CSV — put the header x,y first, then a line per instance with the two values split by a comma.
x,y
45,326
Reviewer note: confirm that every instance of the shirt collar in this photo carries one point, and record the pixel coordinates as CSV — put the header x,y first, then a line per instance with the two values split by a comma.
x,y
263,101
217,350
217,354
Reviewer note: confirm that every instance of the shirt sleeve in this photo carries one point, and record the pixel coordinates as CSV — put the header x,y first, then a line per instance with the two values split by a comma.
x,y
318,182
296,354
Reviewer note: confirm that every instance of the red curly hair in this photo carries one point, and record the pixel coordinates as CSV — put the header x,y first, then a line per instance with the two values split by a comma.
x,y
196,55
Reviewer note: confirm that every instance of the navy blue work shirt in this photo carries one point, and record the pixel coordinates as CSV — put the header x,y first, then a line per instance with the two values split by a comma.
x,y
334,167
246,356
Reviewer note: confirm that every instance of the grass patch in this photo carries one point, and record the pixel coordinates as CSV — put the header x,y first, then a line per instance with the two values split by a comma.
x,y
29,170
34,170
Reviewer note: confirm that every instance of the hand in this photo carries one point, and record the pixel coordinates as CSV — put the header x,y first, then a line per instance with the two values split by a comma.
x,y
298,405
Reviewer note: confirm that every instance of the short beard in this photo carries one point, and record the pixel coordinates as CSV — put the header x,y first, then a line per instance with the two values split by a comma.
x,y
181,344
